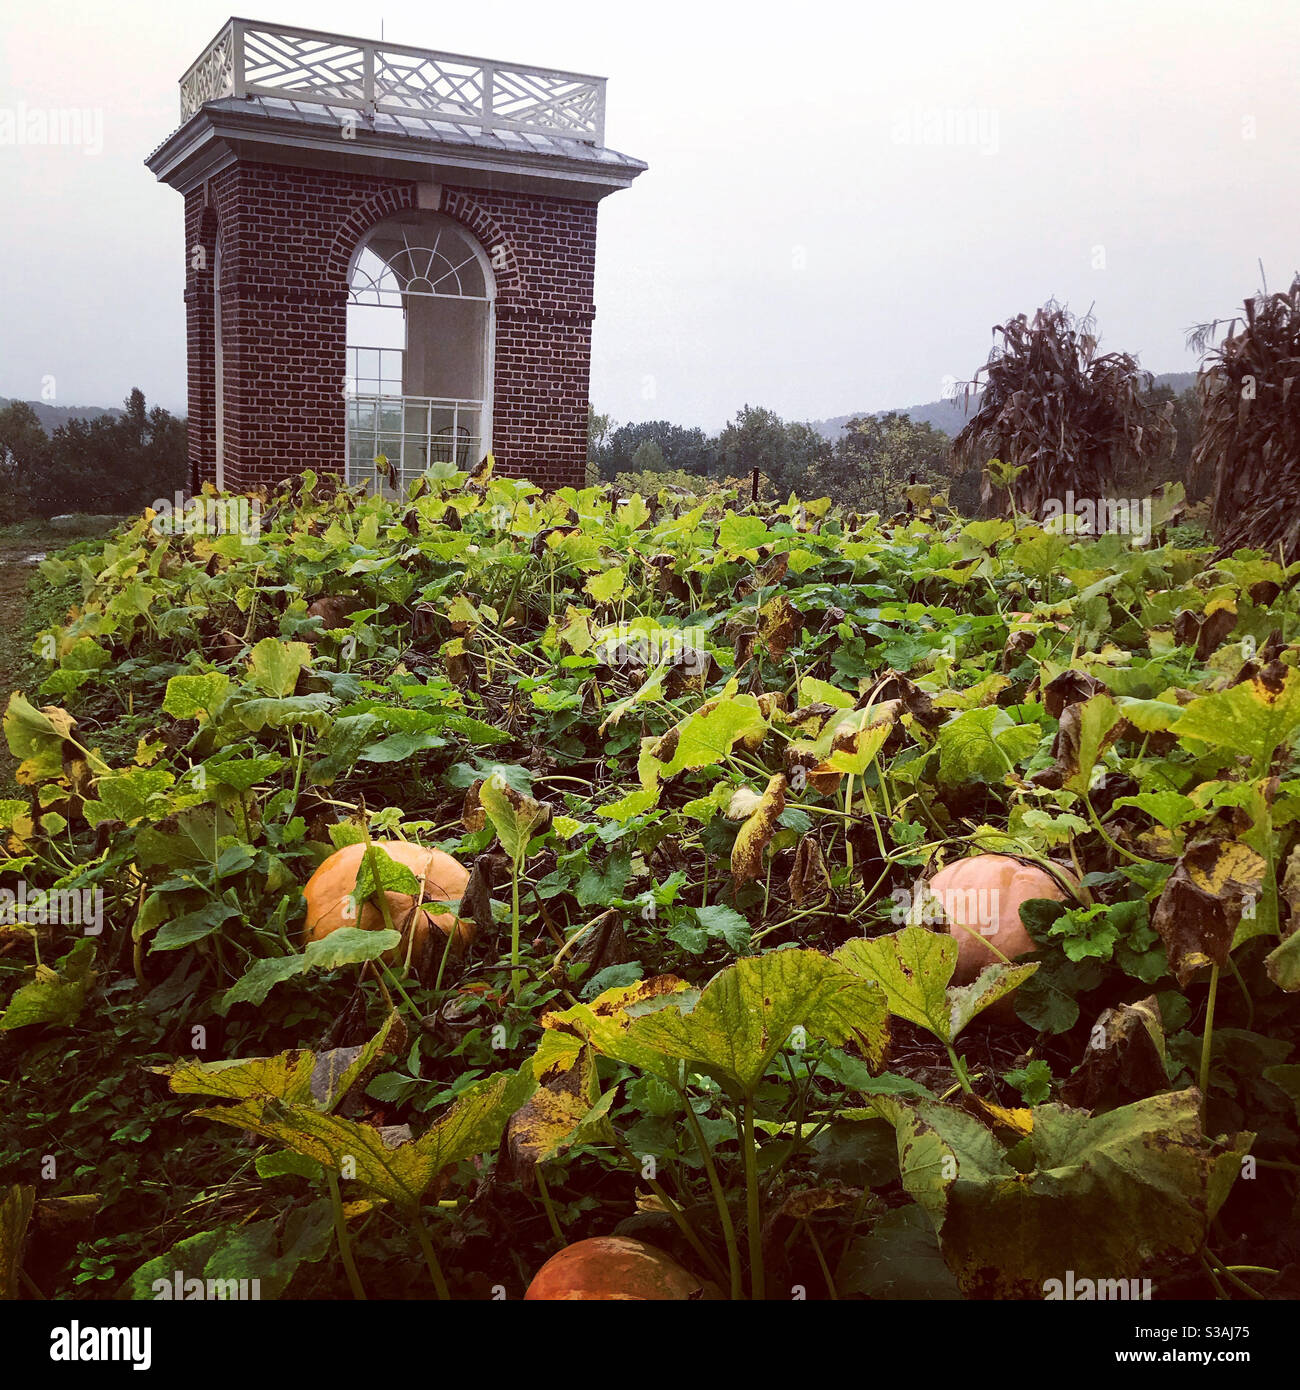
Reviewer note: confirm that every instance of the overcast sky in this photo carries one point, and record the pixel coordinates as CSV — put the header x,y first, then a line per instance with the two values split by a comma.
x,y
801,240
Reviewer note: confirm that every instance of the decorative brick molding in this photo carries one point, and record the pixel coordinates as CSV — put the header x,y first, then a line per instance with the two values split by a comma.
x,y
401,198
491,237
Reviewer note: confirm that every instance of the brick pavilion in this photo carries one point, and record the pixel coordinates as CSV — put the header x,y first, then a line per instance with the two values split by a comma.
x,y
389,251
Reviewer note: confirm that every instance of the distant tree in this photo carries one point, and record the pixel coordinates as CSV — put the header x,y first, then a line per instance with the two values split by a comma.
x,y
24,455
679,447
648,457
651,484
1182,411
758,438
598,431
1071,419
876,459
109,464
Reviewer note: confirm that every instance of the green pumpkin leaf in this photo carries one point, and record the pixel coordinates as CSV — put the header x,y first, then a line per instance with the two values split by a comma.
x,y
192,926
741,1020
914,966
983,745
54,996
274,666
515,817
343,946
195,697
1255,717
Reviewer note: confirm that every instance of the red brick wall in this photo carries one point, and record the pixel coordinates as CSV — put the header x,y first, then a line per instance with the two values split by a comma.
x,y
287,236
200,263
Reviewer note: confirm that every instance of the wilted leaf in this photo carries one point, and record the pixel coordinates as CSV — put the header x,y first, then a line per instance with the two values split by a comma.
x,y
1203,901
779,625
1096,1195
278,1099
810,879
515,816
1124,1060
37,738
566,1111
757,831
705,737
1083,733
1070,688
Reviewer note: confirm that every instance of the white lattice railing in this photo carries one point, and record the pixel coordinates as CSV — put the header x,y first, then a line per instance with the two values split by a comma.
x,y
412,433
251,59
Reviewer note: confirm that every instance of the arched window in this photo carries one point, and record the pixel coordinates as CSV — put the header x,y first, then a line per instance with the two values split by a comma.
x,y
420,331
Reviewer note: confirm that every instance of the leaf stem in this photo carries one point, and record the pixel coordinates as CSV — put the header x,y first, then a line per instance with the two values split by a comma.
x,y
1205,1044
342,1237
757,1285
674,1211
719,1198
430,1256
821,1260
545,1194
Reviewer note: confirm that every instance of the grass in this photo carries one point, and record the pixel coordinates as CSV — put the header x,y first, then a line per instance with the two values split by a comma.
x,y
28,604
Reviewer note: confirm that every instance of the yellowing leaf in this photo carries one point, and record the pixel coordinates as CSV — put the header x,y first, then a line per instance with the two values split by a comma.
x,y
1203,901
913,966
757,831
274,666
515,817
1255,717
607,585
736,1026
36,737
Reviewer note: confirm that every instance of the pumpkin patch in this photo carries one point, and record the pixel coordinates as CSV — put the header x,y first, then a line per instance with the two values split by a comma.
x,y
572,897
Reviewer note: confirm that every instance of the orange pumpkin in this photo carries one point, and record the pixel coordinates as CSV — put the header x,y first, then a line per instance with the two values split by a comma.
x,y
616,1267
984,894
328,893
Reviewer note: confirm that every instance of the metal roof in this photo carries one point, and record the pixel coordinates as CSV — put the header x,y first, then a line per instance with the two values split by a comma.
x,y
435,131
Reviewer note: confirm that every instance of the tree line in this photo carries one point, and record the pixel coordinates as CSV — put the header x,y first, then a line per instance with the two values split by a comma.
x,y
109,464
869,466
